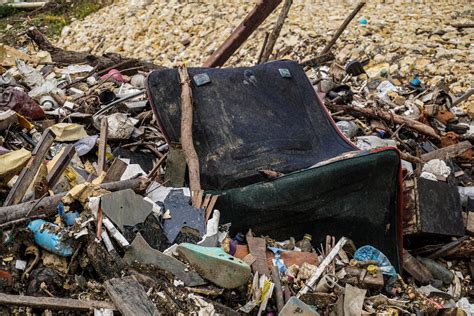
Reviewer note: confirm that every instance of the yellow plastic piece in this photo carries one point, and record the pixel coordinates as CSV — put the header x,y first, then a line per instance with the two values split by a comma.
x,y
24,122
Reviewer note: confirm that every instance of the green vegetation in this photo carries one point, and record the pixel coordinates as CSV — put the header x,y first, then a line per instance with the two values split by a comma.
x,y
84,8
50,19
53,24
6,11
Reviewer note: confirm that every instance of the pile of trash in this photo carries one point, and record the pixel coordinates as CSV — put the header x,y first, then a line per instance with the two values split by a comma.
x,y
92,219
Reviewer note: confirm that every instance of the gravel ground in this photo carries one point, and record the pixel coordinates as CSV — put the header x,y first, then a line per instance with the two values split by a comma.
x,y
402,38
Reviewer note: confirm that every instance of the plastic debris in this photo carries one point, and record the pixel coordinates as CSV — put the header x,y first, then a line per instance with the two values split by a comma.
x,y
48,236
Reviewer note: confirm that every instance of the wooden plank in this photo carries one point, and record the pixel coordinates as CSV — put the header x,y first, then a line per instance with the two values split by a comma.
x,y
206,201
130,297
102,161
53,302
210,207
115,171
199,198
448,151
258,248
61,165
278,288
28,173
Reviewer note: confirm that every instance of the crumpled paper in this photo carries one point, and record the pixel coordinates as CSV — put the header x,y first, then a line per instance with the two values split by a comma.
x,y
120,126
11,163
67,132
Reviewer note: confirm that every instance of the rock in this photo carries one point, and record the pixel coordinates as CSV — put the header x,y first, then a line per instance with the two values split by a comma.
x,y
215,265
159,30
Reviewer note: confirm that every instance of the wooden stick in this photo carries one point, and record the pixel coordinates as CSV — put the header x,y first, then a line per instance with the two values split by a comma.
x,y
448,151
322,266
318,60
278,289
265,40
258,14
116,170
410,158
210,207
101,163
49,204
206,201
342,28
53,302
389,117
276,31
155,172
464,97
187,132
61,56
29,172
462,26
61,165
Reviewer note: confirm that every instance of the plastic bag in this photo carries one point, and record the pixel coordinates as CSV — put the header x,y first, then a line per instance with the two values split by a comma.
x,y
367,253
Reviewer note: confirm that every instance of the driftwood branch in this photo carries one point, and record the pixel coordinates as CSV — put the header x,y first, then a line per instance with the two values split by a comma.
x,y
342,28
264,44
187,131
62,56
388,117
54,303
49,204
276,31
318,60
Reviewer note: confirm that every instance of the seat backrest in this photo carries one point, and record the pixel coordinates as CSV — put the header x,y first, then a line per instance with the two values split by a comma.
x,y
247,119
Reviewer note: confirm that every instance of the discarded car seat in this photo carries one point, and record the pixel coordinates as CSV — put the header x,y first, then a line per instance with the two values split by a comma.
x,y
269,117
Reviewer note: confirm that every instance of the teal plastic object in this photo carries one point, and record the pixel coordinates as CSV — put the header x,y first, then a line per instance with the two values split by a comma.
x,y
215,265
47,238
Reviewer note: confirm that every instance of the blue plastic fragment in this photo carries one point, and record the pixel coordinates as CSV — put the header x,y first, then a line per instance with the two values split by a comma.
x,y
61,209
278,262
415,82
367,253
46,237
70,218
363,21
